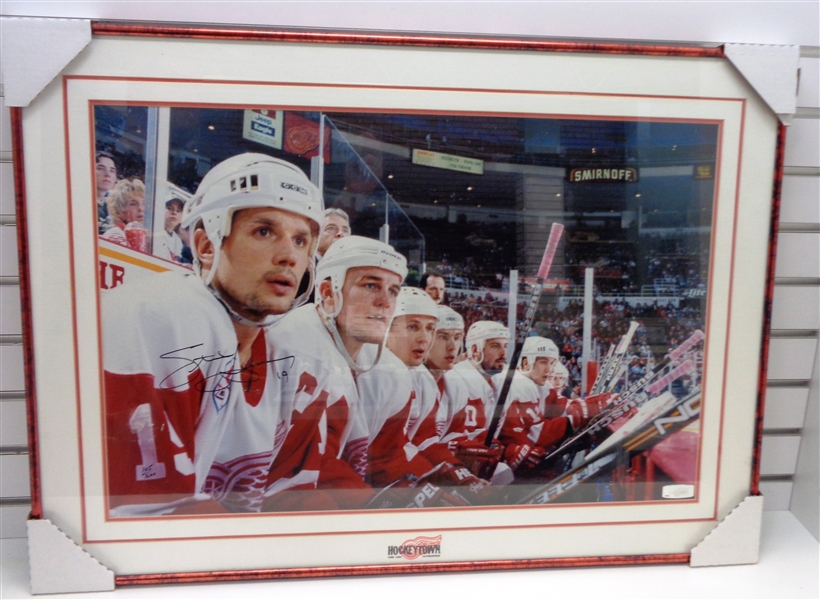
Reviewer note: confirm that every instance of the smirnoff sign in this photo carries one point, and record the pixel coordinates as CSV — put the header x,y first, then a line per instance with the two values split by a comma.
x,y
604,175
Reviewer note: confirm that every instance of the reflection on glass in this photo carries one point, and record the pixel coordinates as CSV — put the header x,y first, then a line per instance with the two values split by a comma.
x,y
615,401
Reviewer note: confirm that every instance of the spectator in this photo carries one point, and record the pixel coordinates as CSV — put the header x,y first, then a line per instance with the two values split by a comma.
x,y
105,178
126,205
172,247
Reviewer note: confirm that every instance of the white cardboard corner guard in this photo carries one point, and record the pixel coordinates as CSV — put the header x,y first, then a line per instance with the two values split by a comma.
x,y
58,565
736,539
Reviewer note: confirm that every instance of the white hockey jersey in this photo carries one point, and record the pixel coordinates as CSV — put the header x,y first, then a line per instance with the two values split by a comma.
x,y
342,429
525,420
184,422
387,396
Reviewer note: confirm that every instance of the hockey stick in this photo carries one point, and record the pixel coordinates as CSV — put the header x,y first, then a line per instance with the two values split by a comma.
x,y
617,360
647,436
645,407
634,389
604,368
625,402
543,270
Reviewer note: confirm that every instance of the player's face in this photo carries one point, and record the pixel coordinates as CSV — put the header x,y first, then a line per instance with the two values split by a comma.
x,y
173,215
134,208
106,174
541,370
262,261
495,354
334,228
445,349
435,288
369,299
410,338
559,382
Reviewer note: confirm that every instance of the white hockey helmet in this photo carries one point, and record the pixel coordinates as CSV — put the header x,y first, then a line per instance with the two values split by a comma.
x,y
448,318
250,180
480,332
415,301
535,347
560,375
357,251
349,253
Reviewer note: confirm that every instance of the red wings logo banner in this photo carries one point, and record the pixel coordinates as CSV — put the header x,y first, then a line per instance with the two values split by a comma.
x,y
302,137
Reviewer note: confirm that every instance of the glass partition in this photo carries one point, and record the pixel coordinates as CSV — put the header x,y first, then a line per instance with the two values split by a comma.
x,y
353,183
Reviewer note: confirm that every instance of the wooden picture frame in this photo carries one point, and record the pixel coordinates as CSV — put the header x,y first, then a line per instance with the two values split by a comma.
x,y
694,91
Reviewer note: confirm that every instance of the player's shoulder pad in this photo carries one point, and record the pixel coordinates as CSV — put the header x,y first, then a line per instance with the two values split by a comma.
x,y
302,333
389,368
161,299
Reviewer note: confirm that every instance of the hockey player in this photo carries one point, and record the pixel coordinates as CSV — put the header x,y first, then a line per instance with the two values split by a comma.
x,y
409,339
358,281
454,415
487,343
454,411
197,397
400,400
528,430
559,380
393,406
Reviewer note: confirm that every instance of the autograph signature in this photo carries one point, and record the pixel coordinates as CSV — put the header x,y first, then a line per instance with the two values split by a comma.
x,y
227,369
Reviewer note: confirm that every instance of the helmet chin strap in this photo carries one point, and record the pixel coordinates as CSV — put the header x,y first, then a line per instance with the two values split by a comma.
x,y
269,320
477,363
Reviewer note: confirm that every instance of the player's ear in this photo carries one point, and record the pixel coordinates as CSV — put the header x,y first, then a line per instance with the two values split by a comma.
x,y
204,248
325,296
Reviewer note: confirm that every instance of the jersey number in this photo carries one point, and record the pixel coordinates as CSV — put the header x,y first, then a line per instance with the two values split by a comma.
x,y
470,416
142,425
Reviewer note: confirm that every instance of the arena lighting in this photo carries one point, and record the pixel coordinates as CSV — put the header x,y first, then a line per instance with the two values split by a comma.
x,y
390,176
593,150
638,195
211,127
469,188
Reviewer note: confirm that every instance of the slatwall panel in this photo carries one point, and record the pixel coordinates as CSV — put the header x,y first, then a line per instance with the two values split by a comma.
x,y
796,308
795,321
14,491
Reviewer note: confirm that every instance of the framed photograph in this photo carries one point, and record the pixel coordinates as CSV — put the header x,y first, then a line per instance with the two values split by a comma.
x,y
310,304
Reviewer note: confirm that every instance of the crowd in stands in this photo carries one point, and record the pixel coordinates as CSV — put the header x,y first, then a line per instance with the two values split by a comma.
x,y
684,261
